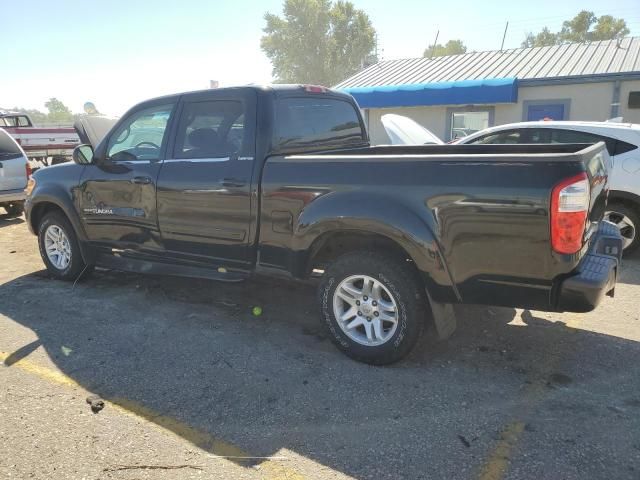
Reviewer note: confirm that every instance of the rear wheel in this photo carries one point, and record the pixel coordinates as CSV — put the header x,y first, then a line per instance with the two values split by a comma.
x,y
627,220
59,247
373,306
14,209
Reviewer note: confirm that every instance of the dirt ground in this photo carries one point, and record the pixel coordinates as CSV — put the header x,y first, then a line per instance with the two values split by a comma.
x,y
195,386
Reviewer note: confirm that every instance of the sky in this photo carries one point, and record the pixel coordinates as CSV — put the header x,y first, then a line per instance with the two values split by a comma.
x,y
119,52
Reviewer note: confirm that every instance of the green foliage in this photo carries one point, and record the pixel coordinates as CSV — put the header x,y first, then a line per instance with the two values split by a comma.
x,y
452,47
58,111
318,42
584,27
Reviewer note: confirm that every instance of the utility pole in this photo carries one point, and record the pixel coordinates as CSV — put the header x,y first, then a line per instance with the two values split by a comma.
x,y
504,36
435,42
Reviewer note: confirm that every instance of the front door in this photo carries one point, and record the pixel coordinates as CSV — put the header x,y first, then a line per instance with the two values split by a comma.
x,y
552,111
118,192
204,187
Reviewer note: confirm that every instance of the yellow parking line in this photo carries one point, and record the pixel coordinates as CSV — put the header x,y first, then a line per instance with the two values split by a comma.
x,y
496,465
497,462
270,469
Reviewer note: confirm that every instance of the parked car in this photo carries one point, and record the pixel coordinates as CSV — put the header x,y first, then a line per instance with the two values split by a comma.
x,y
282,181
43,146
403,130
14,172
622,140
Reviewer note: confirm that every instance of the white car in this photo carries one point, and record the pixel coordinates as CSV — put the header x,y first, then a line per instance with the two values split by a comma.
x,y
14,173
622,140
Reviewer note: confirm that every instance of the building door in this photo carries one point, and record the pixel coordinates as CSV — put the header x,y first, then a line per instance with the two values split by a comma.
x,y
552,111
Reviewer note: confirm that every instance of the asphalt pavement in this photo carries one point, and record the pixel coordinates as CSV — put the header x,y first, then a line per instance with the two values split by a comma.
x,y
196,386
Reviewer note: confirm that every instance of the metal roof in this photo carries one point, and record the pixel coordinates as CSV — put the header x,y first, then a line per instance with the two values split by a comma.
x,y
608,57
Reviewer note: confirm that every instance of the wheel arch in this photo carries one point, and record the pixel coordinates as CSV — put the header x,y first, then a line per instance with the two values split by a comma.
x,y
326,229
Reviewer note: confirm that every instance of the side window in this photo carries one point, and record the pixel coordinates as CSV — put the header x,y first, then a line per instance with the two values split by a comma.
x,y
211,129
23,122
317,122
536,135
507,137
572,136
140,136
623,147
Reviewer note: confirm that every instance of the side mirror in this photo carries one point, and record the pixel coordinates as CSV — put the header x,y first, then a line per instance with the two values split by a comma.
x,y
83,154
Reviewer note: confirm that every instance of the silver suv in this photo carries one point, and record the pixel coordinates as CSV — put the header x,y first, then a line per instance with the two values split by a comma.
x,y
14,173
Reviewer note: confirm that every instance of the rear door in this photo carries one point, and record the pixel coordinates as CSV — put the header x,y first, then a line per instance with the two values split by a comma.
x,y
205,186
118,192
13,170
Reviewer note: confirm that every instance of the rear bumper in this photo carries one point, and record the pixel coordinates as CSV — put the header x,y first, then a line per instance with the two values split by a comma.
x,y
596,274
12,196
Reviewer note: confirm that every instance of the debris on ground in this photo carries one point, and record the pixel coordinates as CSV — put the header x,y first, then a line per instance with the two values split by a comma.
x,y
96,403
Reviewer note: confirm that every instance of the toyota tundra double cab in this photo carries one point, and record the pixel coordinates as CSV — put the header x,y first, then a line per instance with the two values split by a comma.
x,y
282,181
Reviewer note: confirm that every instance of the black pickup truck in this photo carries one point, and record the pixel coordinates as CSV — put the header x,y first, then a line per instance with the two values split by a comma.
x,y
281,180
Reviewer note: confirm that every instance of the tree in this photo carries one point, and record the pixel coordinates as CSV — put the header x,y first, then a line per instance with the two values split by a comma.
x,y
543,39
452,47
58,111
318,42
579,29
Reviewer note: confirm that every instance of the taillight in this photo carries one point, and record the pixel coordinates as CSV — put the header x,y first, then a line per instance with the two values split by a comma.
x,y
315,89
569,210
28,169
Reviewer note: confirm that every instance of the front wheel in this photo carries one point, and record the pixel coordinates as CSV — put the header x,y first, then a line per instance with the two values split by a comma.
x,y
627,220
373,306
59,247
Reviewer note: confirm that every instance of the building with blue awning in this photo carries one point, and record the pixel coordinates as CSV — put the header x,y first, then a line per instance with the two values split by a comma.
x,y
456,95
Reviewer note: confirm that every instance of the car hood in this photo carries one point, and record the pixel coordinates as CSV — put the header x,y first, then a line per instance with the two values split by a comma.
x,y
405,131
92,128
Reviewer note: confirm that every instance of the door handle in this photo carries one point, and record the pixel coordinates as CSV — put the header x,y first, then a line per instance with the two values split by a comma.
x,y
141,180
233,183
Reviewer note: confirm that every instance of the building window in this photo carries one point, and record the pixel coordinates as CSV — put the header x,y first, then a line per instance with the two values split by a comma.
x,y
464,121
634,99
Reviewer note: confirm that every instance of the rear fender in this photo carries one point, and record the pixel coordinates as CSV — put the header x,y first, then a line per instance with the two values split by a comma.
x,y
380,215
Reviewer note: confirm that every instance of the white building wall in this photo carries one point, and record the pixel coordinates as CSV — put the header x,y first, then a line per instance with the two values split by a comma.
x,y
587,101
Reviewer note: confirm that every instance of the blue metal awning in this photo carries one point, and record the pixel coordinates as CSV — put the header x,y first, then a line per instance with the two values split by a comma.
x,y
463,92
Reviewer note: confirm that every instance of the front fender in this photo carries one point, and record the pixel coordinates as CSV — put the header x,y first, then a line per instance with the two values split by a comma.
x,y
340,212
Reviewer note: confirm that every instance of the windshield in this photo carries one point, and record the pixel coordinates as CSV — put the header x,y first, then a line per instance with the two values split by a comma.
x,y
405,131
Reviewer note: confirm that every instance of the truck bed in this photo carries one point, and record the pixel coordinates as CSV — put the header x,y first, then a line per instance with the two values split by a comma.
x,y
484,208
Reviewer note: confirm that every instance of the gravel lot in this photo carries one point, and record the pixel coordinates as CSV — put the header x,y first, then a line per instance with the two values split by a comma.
x,y
192,381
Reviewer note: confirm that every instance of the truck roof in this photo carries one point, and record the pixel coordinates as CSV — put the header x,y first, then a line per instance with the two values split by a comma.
x,y
276,88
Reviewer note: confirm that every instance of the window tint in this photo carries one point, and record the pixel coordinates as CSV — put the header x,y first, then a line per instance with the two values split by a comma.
x,y
211,129
623,147
8,147
508,137
140,136
572,136
321,122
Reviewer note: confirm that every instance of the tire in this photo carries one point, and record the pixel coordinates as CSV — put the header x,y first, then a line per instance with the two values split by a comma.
x,y
76,266
628,219
400,286
14,209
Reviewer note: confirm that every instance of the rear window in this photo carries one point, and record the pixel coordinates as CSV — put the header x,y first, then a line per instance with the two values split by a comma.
x,y
317,122
8,147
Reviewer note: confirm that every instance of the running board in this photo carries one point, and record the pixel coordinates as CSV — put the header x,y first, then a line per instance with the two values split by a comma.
x,y
118,261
